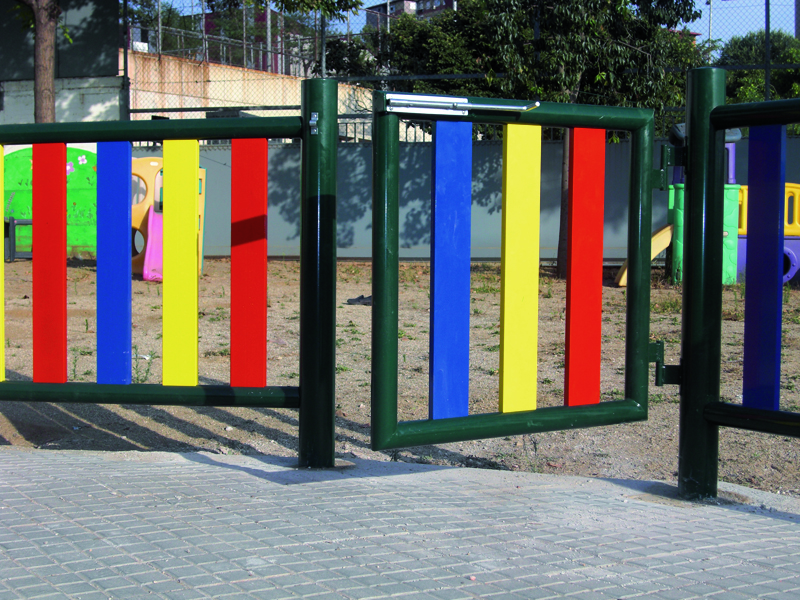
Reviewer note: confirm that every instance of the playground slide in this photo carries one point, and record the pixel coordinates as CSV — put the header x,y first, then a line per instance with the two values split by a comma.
x,y
149,171
153,254
661,239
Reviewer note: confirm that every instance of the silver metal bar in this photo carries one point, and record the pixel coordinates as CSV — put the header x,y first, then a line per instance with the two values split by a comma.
x,y
407,103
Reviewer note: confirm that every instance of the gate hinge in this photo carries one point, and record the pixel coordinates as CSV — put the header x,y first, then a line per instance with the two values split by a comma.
x,y
312,123
665,374
671,156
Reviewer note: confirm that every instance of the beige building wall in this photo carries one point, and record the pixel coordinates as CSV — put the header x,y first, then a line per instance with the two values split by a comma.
x,y
170,82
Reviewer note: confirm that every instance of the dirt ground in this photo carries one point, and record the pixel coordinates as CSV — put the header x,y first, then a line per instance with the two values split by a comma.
x,y
646,450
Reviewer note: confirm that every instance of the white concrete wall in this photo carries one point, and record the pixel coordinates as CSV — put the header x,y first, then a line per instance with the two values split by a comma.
x,y
78,99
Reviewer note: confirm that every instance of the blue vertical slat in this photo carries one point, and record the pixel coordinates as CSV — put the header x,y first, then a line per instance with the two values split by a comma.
x,y
114,262
764,272
450,277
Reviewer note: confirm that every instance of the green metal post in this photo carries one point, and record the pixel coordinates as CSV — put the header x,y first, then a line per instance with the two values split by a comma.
x,y
318,273
640,222
698,445
385,236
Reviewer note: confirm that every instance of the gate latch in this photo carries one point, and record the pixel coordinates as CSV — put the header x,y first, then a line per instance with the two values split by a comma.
x,y
665,374
312,123
671,156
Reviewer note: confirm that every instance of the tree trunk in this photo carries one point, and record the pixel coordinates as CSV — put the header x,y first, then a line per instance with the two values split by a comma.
x,y
45,15
561,259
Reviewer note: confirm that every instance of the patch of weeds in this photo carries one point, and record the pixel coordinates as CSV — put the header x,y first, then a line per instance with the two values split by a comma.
x,y
292,375
141,373
351,328
547,381
495,348
670,305
402,335
663,398
477,311
218,352
486,289
342,369
220,314
339,342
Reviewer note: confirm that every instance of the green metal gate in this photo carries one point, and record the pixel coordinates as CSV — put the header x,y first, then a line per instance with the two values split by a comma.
x,y
388,109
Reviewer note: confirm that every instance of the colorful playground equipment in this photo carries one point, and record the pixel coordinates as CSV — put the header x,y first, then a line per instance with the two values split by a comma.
x,y
791,230
146,218
671,235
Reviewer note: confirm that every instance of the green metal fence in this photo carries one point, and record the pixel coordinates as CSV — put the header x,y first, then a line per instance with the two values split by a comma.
x,y
314,397
701,411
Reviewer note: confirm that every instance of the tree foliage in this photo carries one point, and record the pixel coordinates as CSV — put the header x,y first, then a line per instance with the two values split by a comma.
x,y
610,52
597,51
330,9
748,85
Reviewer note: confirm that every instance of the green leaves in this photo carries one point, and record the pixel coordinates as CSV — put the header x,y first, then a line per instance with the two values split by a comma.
x,y
750,49
613,52
329,8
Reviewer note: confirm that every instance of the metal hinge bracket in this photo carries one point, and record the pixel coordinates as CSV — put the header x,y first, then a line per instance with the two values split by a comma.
x,y
665,374
671,156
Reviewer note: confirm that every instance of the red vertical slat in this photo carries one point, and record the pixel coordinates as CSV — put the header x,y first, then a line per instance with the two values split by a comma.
x,y
585,266
249,263
50,263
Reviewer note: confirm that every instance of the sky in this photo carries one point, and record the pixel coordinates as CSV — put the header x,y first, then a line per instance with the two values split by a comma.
x,y
738,17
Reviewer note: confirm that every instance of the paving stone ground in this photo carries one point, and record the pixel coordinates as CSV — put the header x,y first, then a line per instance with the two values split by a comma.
x,y
152,525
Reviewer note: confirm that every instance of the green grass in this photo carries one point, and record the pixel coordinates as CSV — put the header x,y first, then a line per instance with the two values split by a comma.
x,y
669,305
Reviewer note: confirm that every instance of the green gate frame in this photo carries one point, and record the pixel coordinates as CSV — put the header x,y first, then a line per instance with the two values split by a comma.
x,y
701,411
315,395
387,433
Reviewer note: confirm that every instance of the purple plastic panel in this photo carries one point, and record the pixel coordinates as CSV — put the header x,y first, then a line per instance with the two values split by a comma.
x,y
791,260
731,152
741,259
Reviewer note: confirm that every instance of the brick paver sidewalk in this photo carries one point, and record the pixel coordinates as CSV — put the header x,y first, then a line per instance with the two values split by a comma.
x,y
136,525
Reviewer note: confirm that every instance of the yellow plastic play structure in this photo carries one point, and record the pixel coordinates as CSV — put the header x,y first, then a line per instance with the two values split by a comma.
x,y
148,170
660,241
791,226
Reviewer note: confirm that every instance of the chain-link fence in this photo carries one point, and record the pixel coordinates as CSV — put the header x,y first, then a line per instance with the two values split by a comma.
x,y
757,42
189,57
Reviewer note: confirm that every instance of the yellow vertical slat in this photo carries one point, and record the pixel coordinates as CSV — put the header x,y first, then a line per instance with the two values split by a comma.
x,y
179,343
519,284
2,271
